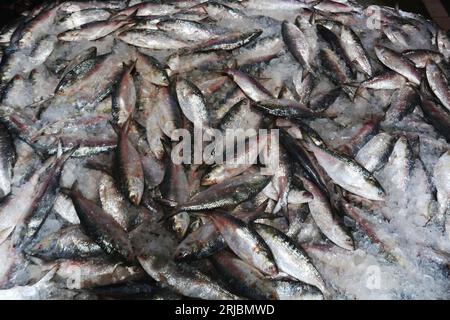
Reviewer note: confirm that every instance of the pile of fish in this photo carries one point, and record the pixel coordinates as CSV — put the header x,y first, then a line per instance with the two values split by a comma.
x,y
94,95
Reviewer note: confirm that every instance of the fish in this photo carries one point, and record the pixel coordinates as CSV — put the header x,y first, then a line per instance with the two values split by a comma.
x,y
249,85
397,63
67,243
192,103
101,227
438,84
320,170
151,39
348,174
130,172
92,30
184,279
297,44
244,242
375,153
124,97
7,154
440,173
229,193
290,258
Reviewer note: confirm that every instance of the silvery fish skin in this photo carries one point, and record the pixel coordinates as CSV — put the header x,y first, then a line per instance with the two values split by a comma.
x,y
184,279
169,114
200,243
124,97
114,203
323,215
75,6
229,193
6,161
285,108
130,167
441,180
67,243
388,81
151,69
375,153
241,162
263,49
249,85
443,43
96,272
192,102
242,277
92,30
397,63
297,44
227,42
348,174
437,115
241,116
290,258
79,18
102,228
32,192
421,57
355,50
438,84
252,283
400,165
402,103
75,73
100,119
184,62
244,242
186,30
151,39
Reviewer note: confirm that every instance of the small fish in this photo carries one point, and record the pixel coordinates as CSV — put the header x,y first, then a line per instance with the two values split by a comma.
x,y
442,182
124,97
297,44
228,193
67,243
7,156
249,85
192,102
101,227
244,242
93,30
130,168
290,258
348,174
397,63
375,153
324,217
184,279
151,39
438,84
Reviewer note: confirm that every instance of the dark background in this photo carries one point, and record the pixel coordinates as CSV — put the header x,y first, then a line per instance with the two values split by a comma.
x,y
9,10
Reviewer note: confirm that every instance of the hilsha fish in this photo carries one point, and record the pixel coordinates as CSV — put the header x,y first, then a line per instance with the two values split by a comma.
x,y
224,150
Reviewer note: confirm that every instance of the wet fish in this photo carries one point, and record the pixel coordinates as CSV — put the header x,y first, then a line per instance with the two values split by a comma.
x,y
244,242
102,228
67,243
184,279
229,193
348,174
290,258
397,63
